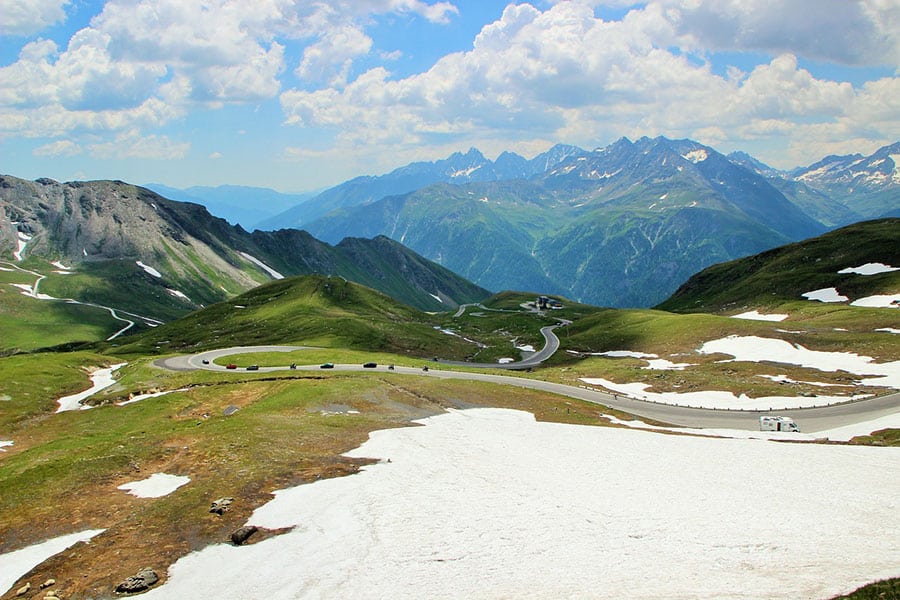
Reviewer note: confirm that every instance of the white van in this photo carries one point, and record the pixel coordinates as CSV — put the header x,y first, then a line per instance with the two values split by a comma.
x,y
768,423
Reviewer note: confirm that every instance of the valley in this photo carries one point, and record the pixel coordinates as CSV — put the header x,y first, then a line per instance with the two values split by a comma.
x,y
129,409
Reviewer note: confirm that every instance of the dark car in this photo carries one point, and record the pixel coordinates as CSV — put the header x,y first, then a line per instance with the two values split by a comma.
x,y
231,366
205,362
370,365
253,368
327,366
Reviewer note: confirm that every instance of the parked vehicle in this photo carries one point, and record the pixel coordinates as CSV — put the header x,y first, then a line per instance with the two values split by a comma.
x,y
326,366
770,423
231,366
370,365
253,368
205,362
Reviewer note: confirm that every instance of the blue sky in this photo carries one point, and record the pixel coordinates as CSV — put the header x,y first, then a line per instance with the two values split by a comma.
x,y
301,94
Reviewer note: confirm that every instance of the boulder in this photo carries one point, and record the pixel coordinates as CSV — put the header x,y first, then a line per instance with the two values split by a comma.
x,y
221,505
48,583
138,583
242,534
24,589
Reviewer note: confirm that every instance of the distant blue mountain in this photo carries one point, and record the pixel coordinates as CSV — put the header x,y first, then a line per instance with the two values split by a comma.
x,y
239,205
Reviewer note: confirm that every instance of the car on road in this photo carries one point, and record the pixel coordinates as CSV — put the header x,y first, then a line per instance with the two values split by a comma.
x,y
205,361
231,366
370,365
326,366
253,368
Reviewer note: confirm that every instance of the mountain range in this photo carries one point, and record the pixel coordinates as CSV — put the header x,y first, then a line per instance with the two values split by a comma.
x,y
125,246
618,226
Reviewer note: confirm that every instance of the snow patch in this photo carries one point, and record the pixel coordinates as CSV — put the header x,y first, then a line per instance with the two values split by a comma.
x,y
14,565
275,274
825,295
721,400
758,349
664,196
754,315
883,301
100,379
4,444
149,270
139,397
848,432
661,364
178,294
494,492
869,269
895,176
58,264
22,240
526,348
505,361
624,354
155,486
696,156
438,298
889,330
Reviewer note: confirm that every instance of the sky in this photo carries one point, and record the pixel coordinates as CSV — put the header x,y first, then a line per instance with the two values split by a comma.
x,y
297,95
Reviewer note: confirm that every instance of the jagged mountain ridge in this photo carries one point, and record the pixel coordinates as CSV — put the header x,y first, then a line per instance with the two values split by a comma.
x,y
90,224
620,226
458,168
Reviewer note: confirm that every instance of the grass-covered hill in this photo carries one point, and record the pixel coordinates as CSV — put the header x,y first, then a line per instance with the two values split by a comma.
x,y
784,274
313,310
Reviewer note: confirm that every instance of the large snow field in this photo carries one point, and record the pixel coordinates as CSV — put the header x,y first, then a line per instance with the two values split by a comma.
x,y
489,503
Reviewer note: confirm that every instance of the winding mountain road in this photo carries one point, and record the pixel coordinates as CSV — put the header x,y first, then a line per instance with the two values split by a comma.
x,y
811,420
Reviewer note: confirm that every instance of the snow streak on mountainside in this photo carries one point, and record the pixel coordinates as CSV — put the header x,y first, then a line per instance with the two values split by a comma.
x,y
622,225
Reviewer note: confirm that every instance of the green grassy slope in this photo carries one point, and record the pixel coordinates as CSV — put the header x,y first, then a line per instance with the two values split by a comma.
x,y
313,310
785,273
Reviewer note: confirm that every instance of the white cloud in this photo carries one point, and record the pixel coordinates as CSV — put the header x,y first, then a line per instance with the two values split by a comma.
x,y
131,144
563,74
330,58
26,17
862,32
58,148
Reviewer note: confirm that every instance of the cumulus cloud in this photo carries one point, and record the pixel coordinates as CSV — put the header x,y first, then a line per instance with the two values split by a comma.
x,y
27,17
856,32
132,144
58,148
141,62
564,74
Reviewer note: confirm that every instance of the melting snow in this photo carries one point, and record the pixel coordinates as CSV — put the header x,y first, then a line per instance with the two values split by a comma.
x,y
757,316
869,269
654,363
155,486
14,565
895,177
504,361
885,301
889,330
139,397
178,294
714,399
438,298
493,492
101,379
696,156
526,348
4,444
758,349
58,264
148,269
275,274
664,196
825,295
22,240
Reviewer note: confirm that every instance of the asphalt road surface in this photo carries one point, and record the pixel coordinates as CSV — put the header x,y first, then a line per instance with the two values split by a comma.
x,y
810,420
